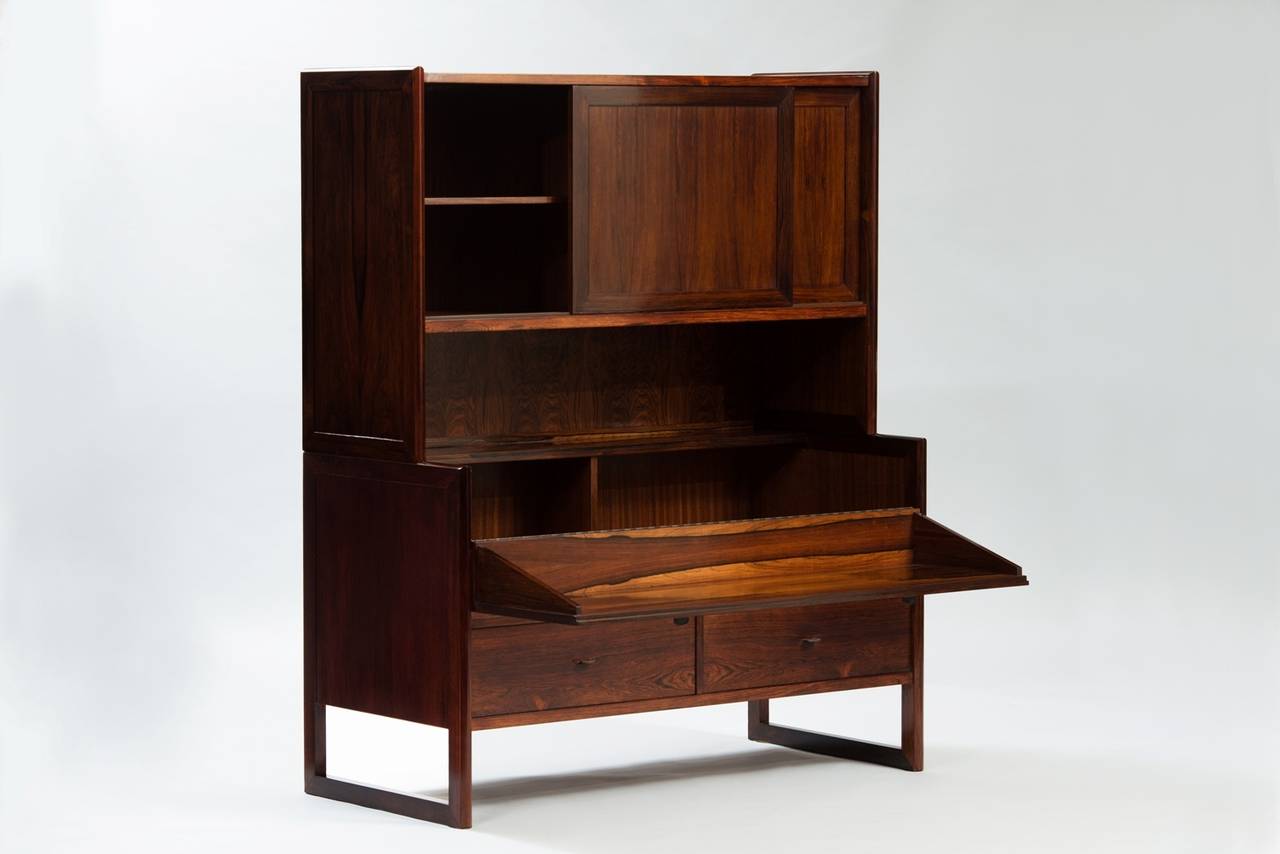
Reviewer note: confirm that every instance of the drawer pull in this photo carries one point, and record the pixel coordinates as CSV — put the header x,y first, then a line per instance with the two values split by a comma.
x,y
809,643
583,662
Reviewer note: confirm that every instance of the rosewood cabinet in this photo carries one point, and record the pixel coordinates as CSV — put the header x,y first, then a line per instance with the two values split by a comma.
x,y
589,410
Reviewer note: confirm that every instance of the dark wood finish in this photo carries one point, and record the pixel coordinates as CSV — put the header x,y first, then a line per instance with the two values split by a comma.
x,y
869,156
537,667
362,177
559,383
571,713
833,78
565,320
600,356
524,497
813,644
828,239
483,258
381,535
665,215
731,566
497,140
386,581
609,444
759,729
492,200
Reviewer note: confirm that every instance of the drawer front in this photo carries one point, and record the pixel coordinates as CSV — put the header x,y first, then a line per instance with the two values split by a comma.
x,y
812,644
542,666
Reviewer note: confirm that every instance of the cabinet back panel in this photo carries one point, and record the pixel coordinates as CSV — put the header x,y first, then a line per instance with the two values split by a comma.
x,y
497,140
517,499
584,381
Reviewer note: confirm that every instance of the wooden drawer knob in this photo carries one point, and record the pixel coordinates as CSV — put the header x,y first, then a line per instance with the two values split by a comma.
x,y
809,643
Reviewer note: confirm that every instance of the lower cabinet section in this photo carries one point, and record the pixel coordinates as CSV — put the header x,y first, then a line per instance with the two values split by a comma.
x,y
755,649
532,667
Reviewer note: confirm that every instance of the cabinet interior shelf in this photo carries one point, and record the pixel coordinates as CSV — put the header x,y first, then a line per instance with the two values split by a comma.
x,y
432,201
620,444
730,566
566,320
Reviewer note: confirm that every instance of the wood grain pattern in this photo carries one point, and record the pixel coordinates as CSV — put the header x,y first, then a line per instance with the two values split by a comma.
x,y
834,78
524,497
565,320
390,590
732,566
544,384
609,444
810,644
536,667
362,180
570,713
666,215
827,184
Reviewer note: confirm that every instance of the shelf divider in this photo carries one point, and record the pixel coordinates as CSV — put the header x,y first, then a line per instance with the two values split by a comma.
x,y
566,320
433,201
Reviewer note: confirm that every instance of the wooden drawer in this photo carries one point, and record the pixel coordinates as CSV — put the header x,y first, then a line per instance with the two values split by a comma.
x,y
812,644
542,666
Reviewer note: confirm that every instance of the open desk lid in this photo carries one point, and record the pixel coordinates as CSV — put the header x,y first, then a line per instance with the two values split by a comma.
x,y
730,566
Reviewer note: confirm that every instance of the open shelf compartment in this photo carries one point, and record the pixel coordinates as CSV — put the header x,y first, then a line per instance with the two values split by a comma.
x,y
682,570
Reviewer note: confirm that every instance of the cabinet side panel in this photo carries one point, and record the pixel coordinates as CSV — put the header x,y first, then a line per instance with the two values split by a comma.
x,y
362,289
389,588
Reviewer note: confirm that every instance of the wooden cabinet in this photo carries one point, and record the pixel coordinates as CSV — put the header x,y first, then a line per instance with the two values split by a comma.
x,y
589,410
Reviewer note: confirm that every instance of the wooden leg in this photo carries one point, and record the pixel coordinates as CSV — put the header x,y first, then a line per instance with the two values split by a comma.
x,y
455,813
908,757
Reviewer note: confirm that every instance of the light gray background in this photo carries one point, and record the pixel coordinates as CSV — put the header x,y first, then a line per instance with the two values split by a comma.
x,y
1080,279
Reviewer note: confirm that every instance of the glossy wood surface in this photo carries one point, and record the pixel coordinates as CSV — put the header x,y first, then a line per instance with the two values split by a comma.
x,y
609,444
362,178
665,215
570,713
833,78
828,205
812,644
389,591
537,667
542,384
565,320
731,566
600,354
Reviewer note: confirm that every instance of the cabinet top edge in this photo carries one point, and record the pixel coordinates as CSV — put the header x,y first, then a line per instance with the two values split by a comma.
x,y
817,78
860,78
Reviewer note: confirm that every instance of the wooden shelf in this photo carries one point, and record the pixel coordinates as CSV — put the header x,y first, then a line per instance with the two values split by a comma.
x,y
563,447
730,566
432,201
444,323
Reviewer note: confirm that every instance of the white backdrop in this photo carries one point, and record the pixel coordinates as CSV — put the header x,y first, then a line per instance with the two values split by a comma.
x,y
1080,279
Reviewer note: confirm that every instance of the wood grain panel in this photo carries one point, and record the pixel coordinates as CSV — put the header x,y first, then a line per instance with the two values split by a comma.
x,y
520,498
362,262
536,667
809,644
389,587
826,243
681,198
680,488
581,381
549,383
730,566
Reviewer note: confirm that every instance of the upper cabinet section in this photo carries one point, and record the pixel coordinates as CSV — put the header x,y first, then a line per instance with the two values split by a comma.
x,y
680,197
